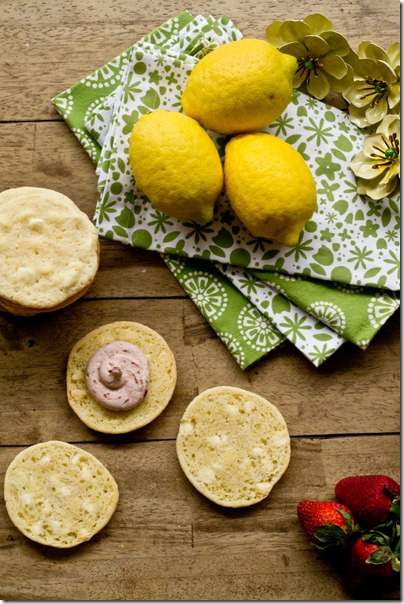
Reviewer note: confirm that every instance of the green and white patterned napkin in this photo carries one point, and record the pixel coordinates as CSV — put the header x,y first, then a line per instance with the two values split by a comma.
x,y
350,243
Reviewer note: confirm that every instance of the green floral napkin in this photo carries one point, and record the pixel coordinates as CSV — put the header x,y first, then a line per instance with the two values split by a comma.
x,y
260,312
355,313
349,239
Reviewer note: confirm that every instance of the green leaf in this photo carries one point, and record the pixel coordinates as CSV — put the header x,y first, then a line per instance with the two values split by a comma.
x,y
280,304
119,231
317,268
322,337
381,244
293,138
171,236
121,165
324,256
215,249
126,218
151,99
223,238
143,110
341,206
343,143
330,535
338,154
386,217
270,254
380,556
301,111
372,272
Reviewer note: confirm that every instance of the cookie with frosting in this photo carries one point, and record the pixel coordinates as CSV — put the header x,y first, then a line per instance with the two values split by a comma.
x,y
49,250
233,446
120,377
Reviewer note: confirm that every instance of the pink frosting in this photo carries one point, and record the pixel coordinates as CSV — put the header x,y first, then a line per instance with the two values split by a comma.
x,y
118,375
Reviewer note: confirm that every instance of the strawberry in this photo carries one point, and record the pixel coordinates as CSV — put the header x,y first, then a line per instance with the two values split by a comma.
x,y
372,556
373,498
327,524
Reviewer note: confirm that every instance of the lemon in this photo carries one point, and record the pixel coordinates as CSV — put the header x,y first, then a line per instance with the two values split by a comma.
x,y
176,165
239,87
269,186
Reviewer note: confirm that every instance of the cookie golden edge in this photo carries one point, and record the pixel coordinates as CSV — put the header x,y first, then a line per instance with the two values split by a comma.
x,y
13,306
103,420
14,511
199,401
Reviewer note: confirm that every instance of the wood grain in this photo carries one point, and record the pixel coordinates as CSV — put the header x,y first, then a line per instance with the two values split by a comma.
x,y
347,395
47,47
166,541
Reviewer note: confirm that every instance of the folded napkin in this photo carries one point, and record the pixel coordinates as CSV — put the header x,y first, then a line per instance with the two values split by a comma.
x,y
348,251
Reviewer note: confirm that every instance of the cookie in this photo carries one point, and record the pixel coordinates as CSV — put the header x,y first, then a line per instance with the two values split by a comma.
x,y
161,379
233,446
49,250
58,494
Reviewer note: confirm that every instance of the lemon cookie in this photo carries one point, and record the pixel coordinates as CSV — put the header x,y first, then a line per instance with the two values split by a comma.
x,y
49,251
233,446
120,377
58,494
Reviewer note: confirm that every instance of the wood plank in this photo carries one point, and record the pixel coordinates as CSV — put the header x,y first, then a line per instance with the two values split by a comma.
x,y
166,541
349,394
47,48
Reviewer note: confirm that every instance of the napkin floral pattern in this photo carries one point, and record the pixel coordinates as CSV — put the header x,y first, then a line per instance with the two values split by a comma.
x,y
348,251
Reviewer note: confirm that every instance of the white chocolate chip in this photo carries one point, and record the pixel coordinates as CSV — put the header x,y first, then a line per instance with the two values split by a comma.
x,y
26,275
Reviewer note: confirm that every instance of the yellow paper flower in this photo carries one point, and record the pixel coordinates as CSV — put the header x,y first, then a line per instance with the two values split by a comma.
x,y
375,89
377,166
319,51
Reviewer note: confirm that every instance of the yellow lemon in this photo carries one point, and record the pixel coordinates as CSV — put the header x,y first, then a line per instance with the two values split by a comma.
x,y
269,186
176,165
239,87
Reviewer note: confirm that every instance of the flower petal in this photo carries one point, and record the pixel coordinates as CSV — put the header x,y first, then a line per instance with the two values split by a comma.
x,y
335,66
359,94
318,23
296,49
372,51
299,78
292,30
318,86
390,125
272,33
337,43
375,114
391,173
376,190
316,46
386,72
393,53
366,170
394,94
357,115
373,143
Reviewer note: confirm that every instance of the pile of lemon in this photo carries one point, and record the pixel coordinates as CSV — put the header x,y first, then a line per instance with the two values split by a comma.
x,y
237,90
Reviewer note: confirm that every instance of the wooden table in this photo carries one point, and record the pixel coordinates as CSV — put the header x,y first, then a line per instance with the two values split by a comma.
x,y
166,541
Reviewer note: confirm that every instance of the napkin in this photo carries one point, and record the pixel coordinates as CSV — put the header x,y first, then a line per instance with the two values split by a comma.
x,y
349,249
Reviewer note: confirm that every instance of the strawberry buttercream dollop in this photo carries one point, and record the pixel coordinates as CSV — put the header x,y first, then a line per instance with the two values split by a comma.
x,y
117,376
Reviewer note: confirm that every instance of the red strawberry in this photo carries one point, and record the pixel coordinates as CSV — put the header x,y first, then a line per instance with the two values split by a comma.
x,y
327,524
372,498
373,559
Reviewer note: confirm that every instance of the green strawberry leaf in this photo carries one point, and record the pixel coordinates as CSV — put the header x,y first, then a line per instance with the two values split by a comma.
x,y
330,535
380,556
